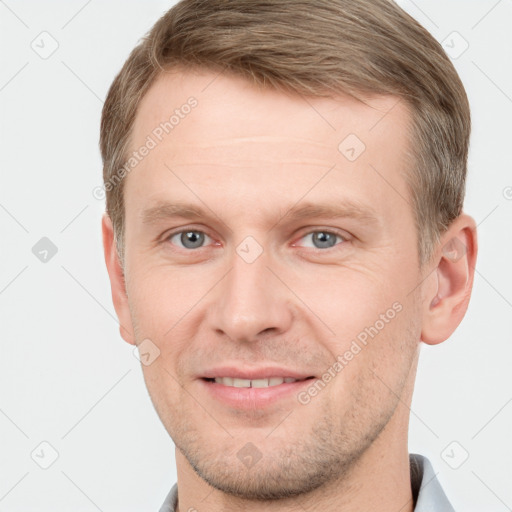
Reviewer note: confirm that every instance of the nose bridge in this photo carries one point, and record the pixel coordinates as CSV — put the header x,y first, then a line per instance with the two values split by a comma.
x,y
249,300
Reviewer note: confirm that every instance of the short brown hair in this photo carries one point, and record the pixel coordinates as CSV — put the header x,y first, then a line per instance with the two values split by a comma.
x,y
315,48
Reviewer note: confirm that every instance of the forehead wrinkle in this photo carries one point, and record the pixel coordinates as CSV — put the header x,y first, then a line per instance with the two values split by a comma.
x,y
236,165
256,139
261,149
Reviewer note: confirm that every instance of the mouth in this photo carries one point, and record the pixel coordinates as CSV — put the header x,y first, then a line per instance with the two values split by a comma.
x,y
254,383
254,389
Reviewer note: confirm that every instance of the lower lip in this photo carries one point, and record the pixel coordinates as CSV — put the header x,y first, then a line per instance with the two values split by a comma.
x,y
254,398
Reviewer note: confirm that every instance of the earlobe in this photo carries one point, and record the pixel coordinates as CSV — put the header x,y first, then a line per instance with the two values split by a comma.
x,y
450,284
117,280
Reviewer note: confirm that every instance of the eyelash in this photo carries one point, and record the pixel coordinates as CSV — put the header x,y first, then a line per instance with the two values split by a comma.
x,y
330,232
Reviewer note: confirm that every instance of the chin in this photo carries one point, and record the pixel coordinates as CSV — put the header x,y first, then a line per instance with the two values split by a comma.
x,y
276,473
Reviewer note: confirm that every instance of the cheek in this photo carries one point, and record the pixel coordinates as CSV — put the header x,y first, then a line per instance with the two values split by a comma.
x,y
347,301
375,372
161,304
388,344
161,298
369,325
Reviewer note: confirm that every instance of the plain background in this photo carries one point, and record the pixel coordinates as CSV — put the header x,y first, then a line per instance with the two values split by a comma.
x,y
66,376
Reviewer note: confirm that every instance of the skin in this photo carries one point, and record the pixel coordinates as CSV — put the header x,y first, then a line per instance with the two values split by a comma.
x,y
247,155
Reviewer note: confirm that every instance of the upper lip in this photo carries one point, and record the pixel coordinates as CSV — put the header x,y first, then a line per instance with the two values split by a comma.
x,y
253,373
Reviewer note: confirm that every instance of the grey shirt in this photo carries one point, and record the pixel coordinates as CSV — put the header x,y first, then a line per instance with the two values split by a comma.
x,y
426,490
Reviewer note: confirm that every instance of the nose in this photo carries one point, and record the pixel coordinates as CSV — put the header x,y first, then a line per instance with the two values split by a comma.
x,y
250,302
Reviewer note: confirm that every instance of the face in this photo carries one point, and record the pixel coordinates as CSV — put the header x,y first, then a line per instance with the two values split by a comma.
x,y
270,263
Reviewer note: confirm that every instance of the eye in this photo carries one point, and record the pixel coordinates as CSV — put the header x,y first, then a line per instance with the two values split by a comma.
x,y
189,239
322,239
195,239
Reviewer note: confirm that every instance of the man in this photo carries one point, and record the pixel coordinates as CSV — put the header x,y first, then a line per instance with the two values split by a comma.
x,y
284,227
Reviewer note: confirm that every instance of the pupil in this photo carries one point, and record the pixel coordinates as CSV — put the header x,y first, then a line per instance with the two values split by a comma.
x,y
192,239
324,239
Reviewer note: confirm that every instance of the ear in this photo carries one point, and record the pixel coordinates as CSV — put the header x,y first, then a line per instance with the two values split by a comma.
x,y
448,287
117,281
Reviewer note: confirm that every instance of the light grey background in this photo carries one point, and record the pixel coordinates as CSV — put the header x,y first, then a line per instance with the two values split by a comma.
x,y
66,376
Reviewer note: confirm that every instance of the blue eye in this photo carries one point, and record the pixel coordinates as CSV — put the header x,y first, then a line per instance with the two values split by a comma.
x,y
323,239
195,239
191,239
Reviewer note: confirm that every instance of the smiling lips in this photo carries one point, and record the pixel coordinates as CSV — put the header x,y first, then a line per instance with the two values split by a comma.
x,y
254,383
237,376
249,388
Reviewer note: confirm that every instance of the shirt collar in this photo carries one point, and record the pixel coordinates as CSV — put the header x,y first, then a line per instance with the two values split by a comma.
x,y
427,491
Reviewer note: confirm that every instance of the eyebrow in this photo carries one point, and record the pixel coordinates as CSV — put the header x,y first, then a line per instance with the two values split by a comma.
x,y
341,209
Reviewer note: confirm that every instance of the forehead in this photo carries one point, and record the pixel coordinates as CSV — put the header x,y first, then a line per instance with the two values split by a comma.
x,y
221,96
223,133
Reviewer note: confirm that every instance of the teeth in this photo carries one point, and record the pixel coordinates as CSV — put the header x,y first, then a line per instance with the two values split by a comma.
x,y
254,383
241,383
260,383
